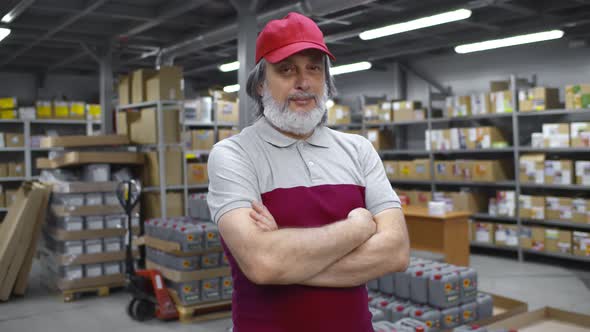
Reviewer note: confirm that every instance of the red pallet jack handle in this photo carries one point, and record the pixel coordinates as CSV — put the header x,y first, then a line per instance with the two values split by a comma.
x,y
166,310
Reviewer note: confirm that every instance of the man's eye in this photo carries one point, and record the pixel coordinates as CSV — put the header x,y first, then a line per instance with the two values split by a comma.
x,y
315,67
286,69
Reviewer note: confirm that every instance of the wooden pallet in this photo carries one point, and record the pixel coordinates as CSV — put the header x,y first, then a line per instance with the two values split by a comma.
x,y
71,295
202,311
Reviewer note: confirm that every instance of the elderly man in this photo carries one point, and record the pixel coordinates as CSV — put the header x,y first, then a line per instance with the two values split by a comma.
x,y
306,213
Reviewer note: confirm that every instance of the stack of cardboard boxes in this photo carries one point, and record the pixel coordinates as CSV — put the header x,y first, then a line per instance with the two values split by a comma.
x,y
12,168
538,99
473,170
464,138
75,110
418,169
338,115
407,110
84,234
535,168
562,135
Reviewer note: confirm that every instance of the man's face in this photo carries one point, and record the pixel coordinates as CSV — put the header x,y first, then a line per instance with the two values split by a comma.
x,y
298,80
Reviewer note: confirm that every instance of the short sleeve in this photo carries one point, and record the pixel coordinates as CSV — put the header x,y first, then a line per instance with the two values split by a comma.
x,y
232,179
379,195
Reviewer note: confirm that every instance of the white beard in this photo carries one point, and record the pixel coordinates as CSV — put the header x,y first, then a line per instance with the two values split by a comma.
x,y
298,123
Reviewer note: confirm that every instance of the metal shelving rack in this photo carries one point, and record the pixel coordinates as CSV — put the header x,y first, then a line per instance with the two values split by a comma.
x,y
27,124
160,147
516,150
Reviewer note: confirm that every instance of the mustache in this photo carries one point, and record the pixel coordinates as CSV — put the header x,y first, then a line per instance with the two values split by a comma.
x,y
302,95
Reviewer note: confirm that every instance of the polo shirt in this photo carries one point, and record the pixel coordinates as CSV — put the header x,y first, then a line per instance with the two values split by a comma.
x,y
303,183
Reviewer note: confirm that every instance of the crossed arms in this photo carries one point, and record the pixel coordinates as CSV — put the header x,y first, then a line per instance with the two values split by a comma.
x,y
346,253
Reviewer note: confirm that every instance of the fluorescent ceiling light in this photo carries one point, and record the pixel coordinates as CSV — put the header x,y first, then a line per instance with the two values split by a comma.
x,y
17,10
4,33
230,66
231,88
510,41
424,22
358,66
7,18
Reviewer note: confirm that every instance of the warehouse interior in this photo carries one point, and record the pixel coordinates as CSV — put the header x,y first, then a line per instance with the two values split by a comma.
x,y
479,110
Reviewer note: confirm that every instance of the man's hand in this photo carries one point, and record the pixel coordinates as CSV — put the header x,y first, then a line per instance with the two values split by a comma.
x,y
365,218
262,217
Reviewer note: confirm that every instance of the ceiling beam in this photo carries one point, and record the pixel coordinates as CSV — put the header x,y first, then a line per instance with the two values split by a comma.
x,y
67,60
67,22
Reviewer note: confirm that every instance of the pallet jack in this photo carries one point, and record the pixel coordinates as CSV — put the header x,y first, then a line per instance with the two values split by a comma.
x,y
150,297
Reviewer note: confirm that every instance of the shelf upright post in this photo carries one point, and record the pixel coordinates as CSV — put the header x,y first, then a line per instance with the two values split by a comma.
x,y
161,148
28,159
516,145
430,151
184,160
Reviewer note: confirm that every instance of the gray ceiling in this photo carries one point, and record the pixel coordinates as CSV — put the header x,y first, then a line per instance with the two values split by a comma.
x,y
62,35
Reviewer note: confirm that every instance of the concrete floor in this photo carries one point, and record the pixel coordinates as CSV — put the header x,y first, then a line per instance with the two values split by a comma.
x,y
537,284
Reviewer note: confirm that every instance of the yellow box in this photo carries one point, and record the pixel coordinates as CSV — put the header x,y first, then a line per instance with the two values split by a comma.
x,y
61,109
8,103
94,111
44,109
9,114
78,110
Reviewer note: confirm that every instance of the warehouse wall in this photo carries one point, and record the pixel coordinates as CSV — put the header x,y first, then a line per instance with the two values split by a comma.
x,y
71,87
554,63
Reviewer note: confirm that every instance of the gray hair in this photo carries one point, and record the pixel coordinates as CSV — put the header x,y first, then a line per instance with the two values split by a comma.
x,y
258,75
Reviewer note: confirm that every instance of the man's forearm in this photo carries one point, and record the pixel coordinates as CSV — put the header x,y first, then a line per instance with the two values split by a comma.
x,y
383,253
296,254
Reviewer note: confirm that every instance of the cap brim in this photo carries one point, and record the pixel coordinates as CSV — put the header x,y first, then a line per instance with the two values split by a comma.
x,y
284,52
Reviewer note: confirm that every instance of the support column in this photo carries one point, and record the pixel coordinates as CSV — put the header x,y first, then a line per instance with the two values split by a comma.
x,y
106,90
399,82
247,32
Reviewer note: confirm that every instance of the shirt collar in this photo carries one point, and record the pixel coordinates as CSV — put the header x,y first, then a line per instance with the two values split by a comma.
x,y
271,135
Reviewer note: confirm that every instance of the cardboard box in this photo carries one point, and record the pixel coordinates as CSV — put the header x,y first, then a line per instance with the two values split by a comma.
x,y
3,170
122,122
583,172
202,139
61,109
165,85
558,208
532,168
458,106
497,86
153,209
338,115
491,170
173,158
9,114
532,238
406,105
440,140
558,171
556,135
443,170
78,110
481,104
581,210
581,244
391,169
138,86
420,169
8,103
467,201
227,111
379,113
143,126
94,111
544,320
506,235
83,141
502,102
532,207
10,196
124,90
483,232
458,138
580,134
83,157
420,198
197,173
404,115
538,99
12,140
484,137
405,169
44,109
2,199
577,96
381,139
16,169
227,133
462,170
404,197
505,203
558,241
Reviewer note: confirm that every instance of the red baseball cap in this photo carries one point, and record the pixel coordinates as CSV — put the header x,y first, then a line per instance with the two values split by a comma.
x,y
293,33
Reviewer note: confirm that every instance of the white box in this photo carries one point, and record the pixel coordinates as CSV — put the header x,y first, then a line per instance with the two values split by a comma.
x,y
114,221
560,176
94,199
111,199
93,246
73,248
93,270
537,140
94,222
97,172
68,199
71,223
583,172
554,137
113,244
112,268
73,272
